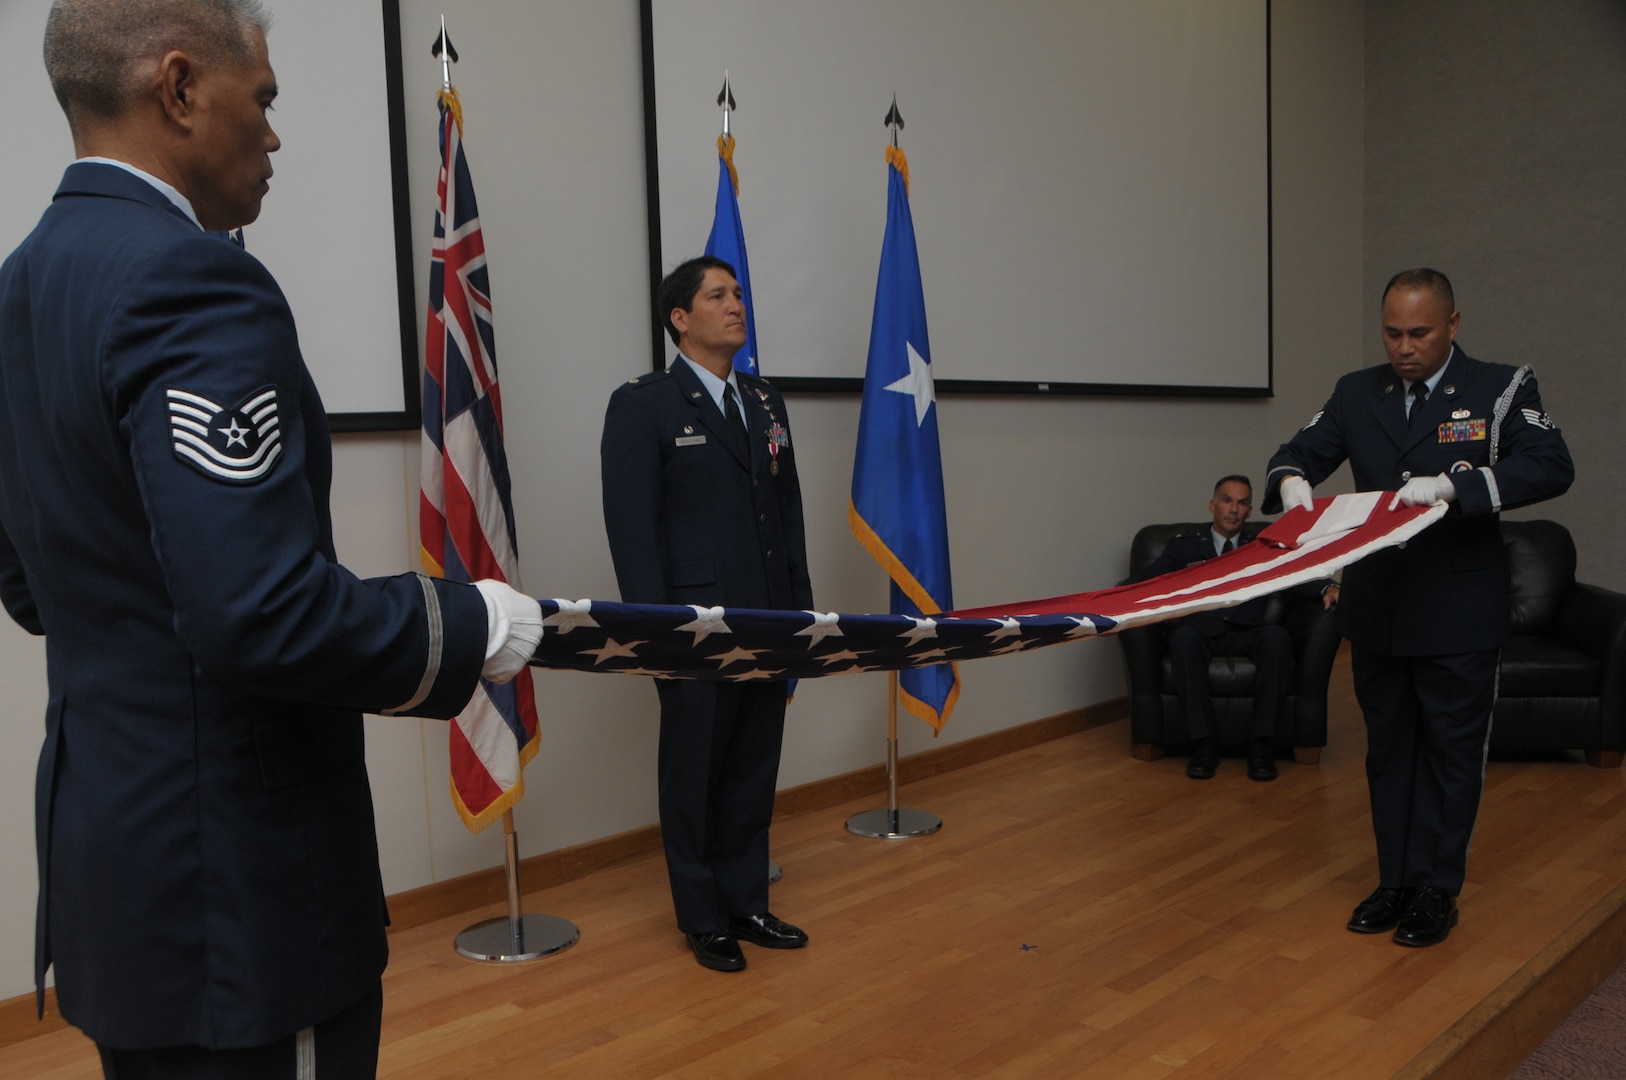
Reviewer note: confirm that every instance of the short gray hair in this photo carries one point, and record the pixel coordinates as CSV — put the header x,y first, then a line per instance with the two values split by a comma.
x,y
96,50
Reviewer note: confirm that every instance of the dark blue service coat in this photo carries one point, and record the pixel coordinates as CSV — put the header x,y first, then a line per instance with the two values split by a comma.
x,y
208,865
696,517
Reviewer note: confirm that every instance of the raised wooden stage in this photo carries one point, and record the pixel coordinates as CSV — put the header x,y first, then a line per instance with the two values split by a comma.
x,y
1081,914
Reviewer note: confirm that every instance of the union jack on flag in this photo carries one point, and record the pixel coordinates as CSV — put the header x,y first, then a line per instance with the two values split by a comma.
x,y
465,511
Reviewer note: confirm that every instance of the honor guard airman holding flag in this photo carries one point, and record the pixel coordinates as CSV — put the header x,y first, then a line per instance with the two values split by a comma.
x,y
1426,621
210,895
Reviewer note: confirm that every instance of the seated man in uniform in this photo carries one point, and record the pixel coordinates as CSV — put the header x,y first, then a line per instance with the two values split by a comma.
x,y
1243,630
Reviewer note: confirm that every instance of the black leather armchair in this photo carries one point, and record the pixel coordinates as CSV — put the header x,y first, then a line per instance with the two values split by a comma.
x,y
1156,722
1563,676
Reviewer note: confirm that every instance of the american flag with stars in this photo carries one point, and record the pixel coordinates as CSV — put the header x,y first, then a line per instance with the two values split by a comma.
x,y
740,644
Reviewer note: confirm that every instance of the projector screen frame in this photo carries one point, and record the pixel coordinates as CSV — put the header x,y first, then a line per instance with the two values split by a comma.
x,y
410,415
1033,388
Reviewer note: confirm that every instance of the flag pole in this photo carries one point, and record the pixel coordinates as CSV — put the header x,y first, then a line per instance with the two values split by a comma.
x,y
893,822
513,937
727,241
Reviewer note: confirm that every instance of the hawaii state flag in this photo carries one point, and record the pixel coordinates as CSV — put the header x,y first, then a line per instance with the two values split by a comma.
x,y
465,511
897,509
727,242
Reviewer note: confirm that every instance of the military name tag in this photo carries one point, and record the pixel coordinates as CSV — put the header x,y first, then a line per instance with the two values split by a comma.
x,y
691,440
1455,431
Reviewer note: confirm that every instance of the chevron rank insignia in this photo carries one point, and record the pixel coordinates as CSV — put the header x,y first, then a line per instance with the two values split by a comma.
x,y
236,444
1537,418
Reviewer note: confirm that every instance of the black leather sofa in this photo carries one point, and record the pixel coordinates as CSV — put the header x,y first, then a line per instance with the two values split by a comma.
x,y
1156,722
1563,677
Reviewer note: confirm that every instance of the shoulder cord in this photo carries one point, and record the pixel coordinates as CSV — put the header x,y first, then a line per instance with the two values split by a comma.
x,y
1503,405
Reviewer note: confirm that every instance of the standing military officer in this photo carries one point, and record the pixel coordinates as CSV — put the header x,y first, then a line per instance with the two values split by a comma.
x,y
210,895
702,506
1426,622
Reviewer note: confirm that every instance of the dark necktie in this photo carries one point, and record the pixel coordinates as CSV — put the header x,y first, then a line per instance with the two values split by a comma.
x,y
1419,394
1230,546
731,411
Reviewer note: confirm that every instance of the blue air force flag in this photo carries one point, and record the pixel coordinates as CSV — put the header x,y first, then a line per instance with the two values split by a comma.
x,y
727,242
897,509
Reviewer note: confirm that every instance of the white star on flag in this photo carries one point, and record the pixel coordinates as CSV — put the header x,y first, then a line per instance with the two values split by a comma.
x,y
917,384
707,621
838,657
924,628
824,625
1083,627
611,649
1007,627
572,613
736,656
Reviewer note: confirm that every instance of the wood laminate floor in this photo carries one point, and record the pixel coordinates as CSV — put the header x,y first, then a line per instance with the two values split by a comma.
x,y
1081,914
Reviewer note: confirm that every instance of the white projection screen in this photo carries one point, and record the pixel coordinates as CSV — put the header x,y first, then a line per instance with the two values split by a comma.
x,y
1090,182
334,230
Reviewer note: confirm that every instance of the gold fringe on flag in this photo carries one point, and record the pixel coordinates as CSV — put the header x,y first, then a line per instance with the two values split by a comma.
x,y
448,96
895,158
725,150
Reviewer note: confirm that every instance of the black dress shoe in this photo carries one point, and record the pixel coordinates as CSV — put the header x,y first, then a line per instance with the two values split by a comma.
x,y
767,930
1204,760
1429,918
1381,911
718,950
1262,761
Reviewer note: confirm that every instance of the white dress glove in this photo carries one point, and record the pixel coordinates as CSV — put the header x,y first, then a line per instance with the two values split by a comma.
x,y
1425,491
513,630
1296,492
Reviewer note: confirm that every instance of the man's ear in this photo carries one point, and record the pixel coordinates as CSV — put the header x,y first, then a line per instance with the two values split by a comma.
x,y
680,320
177,87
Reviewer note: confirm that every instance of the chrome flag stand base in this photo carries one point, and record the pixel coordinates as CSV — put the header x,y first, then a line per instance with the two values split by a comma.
x,y
502,941
516,937
893,823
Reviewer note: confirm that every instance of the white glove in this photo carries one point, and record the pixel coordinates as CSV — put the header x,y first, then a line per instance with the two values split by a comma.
x,y
1425,491
1296,492
513,630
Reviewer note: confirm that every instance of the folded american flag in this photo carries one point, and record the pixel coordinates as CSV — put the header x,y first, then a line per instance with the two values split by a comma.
x,y
740,644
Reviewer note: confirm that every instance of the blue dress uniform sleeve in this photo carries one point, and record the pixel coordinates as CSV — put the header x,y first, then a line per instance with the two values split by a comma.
x,y
633,495
242,541
1314,452
14,590
1530,460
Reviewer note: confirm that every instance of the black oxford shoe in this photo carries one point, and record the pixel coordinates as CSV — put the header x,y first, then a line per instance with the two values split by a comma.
x,y
1429,919
717,950
1381,911
1262,761
767,930
1204,760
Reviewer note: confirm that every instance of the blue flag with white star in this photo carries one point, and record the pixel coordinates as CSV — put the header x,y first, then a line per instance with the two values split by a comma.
x,y
897,510
727,242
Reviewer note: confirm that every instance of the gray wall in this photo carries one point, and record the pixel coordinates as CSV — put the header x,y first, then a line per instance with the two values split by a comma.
x,y
1496,152
1043,494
